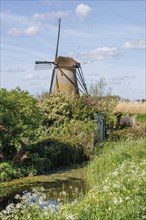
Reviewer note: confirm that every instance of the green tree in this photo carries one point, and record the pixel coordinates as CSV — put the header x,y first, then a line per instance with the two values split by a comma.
x,y
20,117
100,88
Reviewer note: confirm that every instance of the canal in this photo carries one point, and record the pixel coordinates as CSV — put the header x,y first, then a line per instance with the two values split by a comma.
x,y
72,181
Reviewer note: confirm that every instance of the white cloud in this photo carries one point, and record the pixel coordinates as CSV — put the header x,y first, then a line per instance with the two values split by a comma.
x,y
30,31
35,84
83,10
124,77
17,70
100,54
9,17
137,44
50,2
119,79
24,50
30,77
51,15
15,32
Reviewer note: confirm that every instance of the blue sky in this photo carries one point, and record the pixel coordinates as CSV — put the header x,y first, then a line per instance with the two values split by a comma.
x,y
109,33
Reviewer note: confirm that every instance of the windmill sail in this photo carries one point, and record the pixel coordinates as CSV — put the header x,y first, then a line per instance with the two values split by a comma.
x,y
56,54
57,46
43,65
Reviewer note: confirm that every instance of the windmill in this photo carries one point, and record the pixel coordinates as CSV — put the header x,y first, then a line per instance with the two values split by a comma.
x,y
67,75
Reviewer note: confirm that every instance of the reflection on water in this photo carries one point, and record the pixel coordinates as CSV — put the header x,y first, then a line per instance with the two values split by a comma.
x,y
72,181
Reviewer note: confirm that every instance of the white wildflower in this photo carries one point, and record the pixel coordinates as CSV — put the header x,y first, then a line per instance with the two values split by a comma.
x,y
46,213
70,217
10,207
116,185
4,212
75,202
63,193
28,216
42,189
44,197
105,188
115,200
143,173
115,173
120,200
58,199
17,196
18,205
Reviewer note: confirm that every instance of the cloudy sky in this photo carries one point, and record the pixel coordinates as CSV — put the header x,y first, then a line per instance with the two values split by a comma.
x,y
108,36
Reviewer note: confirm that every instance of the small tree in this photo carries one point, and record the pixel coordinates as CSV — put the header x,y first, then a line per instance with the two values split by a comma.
x,y
100,88
20,116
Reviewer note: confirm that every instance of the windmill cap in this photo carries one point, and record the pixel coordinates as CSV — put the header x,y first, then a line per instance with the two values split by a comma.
x,y
66,62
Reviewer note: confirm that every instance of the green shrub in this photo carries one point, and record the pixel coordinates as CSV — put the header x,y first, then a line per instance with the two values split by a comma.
x,y
20,118
76,133
49,154
7,171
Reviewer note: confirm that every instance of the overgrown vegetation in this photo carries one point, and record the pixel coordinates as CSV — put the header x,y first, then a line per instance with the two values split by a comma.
x,y
55,124
141,119
35,132
117,189
39,135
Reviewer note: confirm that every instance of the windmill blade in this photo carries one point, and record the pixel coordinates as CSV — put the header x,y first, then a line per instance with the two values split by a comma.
x,y
81,80
78,52
43,65
56,54
89,61
52,79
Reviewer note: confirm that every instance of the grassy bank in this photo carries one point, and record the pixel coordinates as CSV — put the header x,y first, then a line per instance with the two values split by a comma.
x,y
117,189
141,118
112,155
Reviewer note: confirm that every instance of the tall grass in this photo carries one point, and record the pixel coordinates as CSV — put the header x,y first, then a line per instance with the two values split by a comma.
x,y
141,118
112,155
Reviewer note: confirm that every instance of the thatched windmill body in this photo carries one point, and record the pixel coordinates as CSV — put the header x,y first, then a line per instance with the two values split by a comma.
x,y
67,75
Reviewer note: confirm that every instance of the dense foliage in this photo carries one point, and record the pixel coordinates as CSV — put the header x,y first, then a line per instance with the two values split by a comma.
x,y
41,134
60,125
20,117
59,109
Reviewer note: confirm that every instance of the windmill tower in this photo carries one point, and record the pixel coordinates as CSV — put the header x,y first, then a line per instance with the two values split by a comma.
x,y
67,75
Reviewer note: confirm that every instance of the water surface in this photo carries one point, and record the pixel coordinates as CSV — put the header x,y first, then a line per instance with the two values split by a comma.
x,y
71,181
